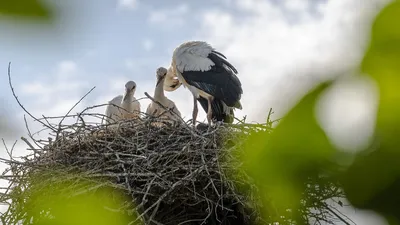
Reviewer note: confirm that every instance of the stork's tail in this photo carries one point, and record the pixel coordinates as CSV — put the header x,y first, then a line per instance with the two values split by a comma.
x,y
220,111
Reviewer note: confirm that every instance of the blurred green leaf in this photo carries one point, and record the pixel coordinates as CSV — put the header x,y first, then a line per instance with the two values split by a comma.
x,y
373,181
381,62
75,203
25,8
282,161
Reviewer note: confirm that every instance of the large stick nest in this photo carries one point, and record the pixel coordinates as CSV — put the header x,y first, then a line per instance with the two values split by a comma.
x,y
170,174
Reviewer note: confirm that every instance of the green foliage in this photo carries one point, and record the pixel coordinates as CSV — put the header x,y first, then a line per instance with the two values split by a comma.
x,y
298,149
72,203
33,9
295,151
373,181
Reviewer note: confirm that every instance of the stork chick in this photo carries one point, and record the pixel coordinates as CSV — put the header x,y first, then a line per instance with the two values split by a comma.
x,y
123,106
129,103
113,113
155,109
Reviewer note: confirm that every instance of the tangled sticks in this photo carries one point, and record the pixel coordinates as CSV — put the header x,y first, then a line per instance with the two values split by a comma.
x,y
173,175
170,174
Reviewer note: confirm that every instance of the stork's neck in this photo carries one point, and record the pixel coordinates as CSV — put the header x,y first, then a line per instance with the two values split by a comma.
x,y
159,91
127,103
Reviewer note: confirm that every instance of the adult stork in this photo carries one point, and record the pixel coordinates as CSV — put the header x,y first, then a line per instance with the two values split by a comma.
x,y
209,76
123,106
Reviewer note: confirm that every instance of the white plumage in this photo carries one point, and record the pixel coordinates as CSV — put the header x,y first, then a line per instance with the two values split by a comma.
x,y
192,56
113,113
209,76
186,57
155,109
123,106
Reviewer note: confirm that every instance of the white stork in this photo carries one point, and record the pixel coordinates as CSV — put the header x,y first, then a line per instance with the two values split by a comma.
x,y
126,106
209,76
155,109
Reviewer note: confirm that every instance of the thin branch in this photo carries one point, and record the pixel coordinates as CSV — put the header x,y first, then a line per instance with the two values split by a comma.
x,y
80,100
59,124
19,103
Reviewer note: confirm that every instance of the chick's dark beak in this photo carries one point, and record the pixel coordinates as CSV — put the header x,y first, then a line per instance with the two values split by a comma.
x,y
160,79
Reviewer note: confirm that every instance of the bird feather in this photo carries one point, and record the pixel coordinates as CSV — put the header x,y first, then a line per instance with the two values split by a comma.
x,y
219,81
192,56
220,111
113,113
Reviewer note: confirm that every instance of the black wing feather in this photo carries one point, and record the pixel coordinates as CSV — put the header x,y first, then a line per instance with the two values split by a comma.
x,y
217,108
220,81
216,59
218,53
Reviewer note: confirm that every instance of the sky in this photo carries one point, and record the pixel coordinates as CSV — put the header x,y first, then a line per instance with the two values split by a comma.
x,y
281,48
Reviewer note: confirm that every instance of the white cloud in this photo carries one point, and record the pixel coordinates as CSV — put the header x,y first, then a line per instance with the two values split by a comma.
x,y
225,2
67,67
148,44
143,65
296,5
34,87
276,59
135,64
127,4
170,17
55,94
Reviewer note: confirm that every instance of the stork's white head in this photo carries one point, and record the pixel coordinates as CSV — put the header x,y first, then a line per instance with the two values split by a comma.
x,y
171,81
161,72
130,88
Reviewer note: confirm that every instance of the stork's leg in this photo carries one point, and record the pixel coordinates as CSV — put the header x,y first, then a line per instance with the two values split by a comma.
x,y
209,111
195,111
